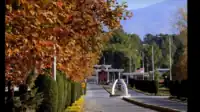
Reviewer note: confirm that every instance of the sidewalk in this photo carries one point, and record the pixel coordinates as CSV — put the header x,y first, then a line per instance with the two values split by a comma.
x,y
160,101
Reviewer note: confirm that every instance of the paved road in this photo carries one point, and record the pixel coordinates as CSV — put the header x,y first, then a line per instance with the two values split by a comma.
x,y
158,100
162,102
98,100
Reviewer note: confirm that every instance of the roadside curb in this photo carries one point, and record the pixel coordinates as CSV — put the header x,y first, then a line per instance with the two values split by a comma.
x,y
105,89
153,107
110,93
176,100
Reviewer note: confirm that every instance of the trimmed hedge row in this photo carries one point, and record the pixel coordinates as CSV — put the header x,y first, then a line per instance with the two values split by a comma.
x,y
77,106
48,87
145,85
58,94
179,88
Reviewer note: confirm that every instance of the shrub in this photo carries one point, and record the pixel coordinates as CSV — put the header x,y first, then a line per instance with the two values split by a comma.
x,y
73,93
178,88
23,91
48,87
61,90
64,92
27,100
155,87
68,94
146,86
85,89
131,82
172,88
157,76
184,88
76,91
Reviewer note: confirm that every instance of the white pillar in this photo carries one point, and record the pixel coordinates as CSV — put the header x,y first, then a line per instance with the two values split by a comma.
x,y
97,76
108,75
114,77
127,79
118,75
113,87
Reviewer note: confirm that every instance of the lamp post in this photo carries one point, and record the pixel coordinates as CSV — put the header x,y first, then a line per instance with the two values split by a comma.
x,y
54,63
143,64
170,61
153,62
142,54
152,59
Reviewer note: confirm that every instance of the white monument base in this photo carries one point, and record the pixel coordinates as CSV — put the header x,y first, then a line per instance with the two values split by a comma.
x,y
124,85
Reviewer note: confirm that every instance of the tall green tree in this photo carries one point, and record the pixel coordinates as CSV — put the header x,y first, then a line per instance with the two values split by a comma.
x,y
157,55
162,41
124,46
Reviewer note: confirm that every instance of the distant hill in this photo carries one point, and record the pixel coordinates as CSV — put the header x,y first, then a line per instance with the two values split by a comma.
x,y
155,19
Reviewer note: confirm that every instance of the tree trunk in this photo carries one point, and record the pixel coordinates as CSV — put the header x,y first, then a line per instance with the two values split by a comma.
x,y
9,101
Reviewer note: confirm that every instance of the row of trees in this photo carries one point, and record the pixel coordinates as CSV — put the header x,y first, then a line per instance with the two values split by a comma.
x,y
125,50
131,47
71,30
122,50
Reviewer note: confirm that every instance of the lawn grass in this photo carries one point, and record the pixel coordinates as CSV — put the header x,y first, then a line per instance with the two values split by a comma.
x,y
161,92
173,98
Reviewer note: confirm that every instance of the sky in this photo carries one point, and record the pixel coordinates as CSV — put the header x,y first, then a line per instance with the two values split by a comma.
x,y
152,16
137,4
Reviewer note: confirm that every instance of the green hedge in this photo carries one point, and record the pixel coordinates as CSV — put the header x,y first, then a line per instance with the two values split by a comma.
x,y
48,87
58,94
61,91
68,93
145,85
179,88
76,91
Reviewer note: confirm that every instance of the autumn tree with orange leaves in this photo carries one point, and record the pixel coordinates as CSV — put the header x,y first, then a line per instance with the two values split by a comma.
x,y
181,67
36,30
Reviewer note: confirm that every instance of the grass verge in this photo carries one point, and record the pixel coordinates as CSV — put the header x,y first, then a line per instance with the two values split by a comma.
x,y
182,100
109,90
162,92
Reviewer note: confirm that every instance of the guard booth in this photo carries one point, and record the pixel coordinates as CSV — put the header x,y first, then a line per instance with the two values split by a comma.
x,y
102,77
105,74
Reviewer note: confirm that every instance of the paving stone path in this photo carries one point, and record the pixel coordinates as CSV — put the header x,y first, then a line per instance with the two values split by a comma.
x,y
98,100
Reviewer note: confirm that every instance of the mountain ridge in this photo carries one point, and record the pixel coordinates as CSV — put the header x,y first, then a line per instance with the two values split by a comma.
x,y
155,19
